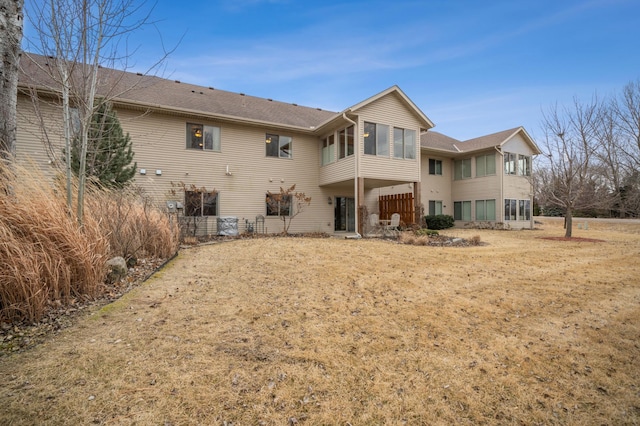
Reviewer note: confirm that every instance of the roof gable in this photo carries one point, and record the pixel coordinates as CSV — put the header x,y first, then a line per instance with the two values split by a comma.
x,y
424,120
438,141
497,139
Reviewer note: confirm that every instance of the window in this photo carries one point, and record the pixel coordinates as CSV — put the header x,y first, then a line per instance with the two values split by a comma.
x,y
485,209
278,205
435,207
199,203
203,137
510,209
404,143
462,210
435,167
328,150
524,209
376,139
486,165
524,165
509,163
345,139
278,146
462,169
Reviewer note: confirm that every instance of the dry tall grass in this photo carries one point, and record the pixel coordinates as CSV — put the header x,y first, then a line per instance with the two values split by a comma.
x,y
133,225
519,330
44,256
47,259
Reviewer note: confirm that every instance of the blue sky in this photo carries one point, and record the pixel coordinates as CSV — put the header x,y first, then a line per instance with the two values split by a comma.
x,y
473,67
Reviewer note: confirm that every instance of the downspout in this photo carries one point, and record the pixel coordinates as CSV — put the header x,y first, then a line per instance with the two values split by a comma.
x,y
533,191
497,148
356,152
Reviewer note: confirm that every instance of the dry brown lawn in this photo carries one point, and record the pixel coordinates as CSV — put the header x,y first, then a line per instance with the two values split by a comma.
x,y
521,330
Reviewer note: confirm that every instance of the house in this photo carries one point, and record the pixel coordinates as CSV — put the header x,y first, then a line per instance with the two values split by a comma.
x,y
228,150
485,179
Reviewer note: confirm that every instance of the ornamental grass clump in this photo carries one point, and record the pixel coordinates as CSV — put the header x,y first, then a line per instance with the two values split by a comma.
x,y
45,257
48,259
133,224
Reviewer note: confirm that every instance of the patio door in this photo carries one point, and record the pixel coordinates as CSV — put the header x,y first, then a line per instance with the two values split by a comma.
x,y
345,214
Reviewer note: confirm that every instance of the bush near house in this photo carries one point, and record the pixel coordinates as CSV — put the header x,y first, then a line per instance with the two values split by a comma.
x,y
439,221
47,260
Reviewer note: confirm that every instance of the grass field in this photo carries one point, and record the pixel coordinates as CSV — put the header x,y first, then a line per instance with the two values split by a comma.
x,y
518,330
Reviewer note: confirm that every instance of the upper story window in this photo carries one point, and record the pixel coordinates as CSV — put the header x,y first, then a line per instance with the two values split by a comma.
x,y
203,137
279,146
524,165
200,203
376,139
435,167
510,163
486,165
404,143
462,169
328,149
517,164
345,141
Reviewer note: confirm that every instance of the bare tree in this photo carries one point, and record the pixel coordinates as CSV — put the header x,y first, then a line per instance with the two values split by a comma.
x,y
287,204
609,158
10,39
573,181
82,37
625,110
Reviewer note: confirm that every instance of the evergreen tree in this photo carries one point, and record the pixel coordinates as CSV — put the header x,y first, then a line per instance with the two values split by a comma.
x,y
109,150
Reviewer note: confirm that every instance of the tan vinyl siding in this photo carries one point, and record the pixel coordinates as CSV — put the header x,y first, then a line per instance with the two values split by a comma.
x,y
518,145
391,111
338,171
160,144
437,187
478,188
33,148
371,200
517,187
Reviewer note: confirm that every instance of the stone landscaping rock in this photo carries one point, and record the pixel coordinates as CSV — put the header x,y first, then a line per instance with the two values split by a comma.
x,y
117,269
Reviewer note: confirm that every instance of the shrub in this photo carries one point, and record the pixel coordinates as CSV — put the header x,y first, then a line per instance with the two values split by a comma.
x,y
440,221
475,240
427,232
411,238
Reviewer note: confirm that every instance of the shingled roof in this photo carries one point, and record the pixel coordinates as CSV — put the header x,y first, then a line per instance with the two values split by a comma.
x,y
159,93
487,141
438,141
